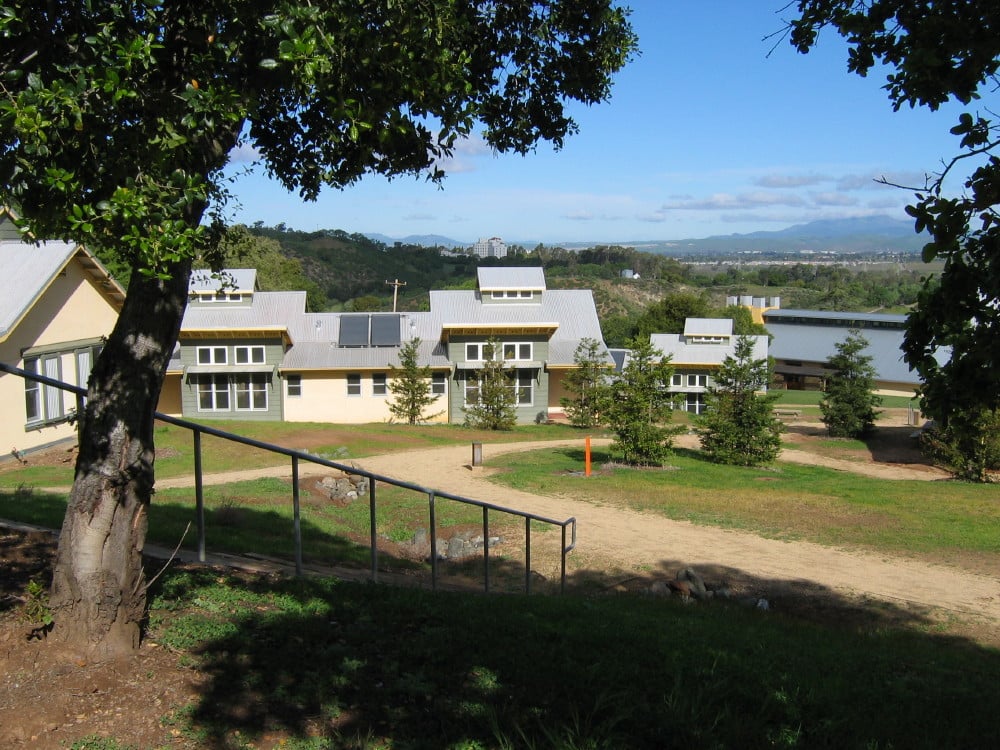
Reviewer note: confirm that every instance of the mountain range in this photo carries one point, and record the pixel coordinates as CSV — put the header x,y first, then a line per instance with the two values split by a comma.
x,y
855,235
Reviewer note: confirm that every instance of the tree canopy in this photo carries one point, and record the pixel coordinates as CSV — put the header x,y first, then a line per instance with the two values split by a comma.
x,y
118,117
936,53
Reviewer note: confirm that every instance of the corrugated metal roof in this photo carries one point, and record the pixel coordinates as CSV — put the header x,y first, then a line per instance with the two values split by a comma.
x,y
314,336
813,343
708,327
33,267
683,353
572,310
268,309
836,318
521,279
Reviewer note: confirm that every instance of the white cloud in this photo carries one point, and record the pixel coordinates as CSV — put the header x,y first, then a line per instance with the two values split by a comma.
x,y
790,180
244,153
834,199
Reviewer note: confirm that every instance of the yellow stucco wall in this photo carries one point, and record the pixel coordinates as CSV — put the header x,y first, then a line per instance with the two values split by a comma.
x,y
71,309
324,399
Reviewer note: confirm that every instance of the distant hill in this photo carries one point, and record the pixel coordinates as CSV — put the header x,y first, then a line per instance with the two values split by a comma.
x,y
866,234
424,240
869,234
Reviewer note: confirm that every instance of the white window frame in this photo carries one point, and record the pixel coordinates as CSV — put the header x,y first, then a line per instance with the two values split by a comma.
x,y
524,383
439,384
697,381
353,384
34,404
212,355
250,391
254,355
677,380
522,351
380,384
293,386
216,389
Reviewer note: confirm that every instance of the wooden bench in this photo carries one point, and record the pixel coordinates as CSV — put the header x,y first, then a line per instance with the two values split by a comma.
x,y
787,413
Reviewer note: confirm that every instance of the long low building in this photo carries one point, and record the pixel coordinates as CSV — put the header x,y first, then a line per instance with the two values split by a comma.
x,y
804,341
253,355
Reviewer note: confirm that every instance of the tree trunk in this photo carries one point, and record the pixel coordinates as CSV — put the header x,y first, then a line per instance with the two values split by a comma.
x,y
99,588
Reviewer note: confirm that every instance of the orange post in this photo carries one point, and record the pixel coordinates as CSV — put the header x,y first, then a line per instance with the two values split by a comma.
x,y
587,452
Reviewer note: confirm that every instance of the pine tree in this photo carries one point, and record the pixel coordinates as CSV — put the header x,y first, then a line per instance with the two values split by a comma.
x,y
491,406
739,426
639,407
586,385
410,386
849,403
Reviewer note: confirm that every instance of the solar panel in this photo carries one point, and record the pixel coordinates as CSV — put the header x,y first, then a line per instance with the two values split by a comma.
x,y
385,330
353,330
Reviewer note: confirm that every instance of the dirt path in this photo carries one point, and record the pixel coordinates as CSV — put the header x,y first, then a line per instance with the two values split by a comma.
x,y
633,540
620,539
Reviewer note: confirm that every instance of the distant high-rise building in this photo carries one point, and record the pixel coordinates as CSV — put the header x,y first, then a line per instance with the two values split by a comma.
x,y
494,247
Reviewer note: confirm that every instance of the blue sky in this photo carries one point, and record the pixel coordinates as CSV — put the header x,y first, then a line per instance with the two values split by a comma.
x,y
705,134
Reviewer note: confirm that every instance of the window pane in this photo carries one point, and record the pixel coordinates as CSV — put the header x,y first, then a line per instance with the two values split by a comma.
x,y
220,355
472,352
509,351
294,385
524,351
257,355
438,384
204,356
242,355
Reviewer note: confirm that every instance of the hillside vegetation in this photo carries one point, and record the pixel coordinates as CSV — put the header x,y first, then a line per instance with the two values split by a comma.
x,y
352,272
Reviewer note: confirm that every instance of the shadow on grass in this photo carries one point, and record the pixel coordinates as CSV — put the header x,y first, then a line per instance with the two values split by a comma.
x,y
361,665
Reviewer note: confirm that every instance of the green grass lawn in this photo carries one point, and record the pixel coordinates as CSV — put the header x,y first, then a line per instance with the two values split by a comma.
x,y
313,663
175,446
788,501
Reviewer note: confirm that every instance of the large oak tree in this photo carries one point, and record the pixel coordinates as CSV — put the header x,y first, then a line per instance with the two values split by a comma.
x,y
117,118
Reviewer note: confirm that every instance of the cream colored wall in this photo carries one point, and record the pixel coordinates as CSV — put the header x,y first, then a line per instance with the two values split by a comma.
x,y
12,431
557,391
71,309
324,399
170,396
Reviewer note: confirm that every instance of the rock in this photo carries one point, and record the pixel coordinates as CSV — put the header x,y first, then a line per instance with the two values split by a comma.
x,y
694,581
680,587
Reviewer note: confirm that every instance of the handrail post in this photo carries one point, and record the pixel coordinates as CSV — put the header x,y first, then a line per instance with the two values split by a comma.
x,y
296,515
199,495
527,555
486,549
434,553
374,536
562,573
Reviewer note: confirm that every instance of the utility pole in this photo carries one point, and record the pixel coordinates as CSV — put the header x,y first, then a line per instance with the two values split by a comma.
x,y
395,290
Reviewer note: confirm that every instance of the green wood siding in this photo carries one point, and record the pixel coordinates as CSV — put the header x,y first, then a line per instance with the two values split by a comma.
x,y
273,353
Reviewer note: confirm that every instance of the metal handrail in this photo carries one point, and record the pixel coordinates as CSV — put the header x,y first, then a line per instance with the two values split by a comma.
x,y
298,456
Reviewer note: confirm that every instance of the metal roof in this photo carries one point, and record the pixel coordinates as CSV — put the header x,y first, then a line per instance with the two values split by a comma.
x,y
522,278
571,311
708,327
685,354
828,317
816,344
268,310
314,338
